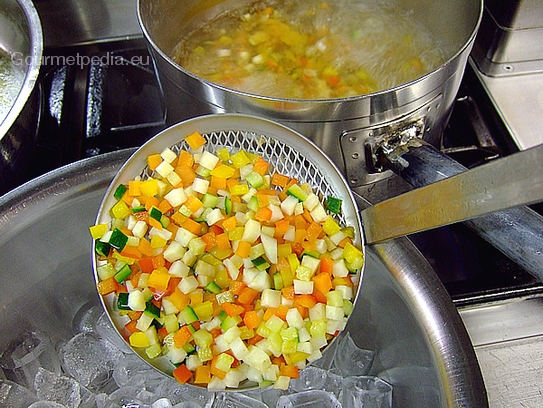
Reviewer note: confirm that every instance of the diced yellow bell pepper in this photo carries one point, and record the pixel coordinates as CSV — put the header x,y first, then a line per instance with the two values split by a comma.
x,y
120,210
139,339
98,231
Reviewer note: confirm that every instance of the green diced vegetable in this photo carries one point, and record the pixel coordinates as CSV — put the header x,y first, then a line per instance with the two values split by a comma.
x,y
296,191
119,191
122,301
227,205
260,263
139,208
212,287
152,310
255,179
210,200
102,248
333,204
155,213
118,240
123,273
188,315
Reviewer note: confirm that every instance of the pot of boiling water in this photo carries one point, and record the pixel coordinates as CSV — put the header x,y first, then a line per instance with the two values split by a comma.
x,y
349,127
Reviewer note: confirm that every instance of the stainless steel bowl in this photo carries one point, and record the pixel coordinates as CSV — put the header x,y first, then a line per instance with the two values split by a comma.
x,y
403,311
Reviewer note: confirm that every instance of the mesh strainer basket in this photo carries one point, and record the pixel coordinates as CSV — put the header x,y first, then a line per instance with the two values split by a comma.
x,y
287,151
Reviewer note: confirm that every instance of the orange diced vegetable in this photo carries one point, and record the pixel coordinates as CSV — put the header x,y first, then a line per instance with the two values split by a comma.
x,y
182,374
106,286
153,161
195,140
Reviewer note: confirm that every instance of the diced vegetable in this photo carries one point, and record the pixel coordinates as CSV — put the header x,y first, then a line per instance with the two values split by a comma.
x,y
238,268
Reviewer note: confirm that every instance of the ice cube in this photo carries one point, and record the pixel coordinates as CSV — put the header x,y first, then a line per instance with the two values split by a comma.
x,y
309,399
352,360
15,395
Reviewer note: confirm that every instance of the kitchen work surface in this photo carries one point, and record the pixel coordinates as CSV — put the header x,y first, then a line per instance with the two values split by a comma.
x,y
508,340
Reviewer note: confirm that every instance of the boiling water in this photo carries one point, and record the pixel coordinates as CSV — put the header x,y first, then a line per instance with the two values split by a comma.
x,y
11,80
310,49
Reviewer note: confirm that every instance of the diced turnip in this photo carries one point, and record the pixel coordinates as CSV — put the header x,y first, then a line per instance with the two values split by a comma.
x,y
303,287
179,268
270,247
251,231
289,205
271,298
168,155
174,251
339,269
208,160
176,197
188,284
184,236
294,318
136,301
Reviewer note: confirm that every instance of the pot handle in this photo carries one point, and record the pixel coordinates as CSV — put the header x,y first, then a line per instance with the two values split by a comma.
x,y
516,232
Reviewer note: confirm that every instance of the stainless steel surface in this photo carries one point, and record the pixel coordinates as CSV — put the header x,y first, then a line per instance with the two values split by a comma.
x,y
22,40
516,232
454,23
508,341
518,101
504,183
403,310
288,153
82,22
510,40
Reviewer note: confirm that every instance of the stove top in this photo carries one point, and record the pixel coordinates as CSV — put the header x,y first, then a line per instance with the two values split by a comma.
x,y
100,96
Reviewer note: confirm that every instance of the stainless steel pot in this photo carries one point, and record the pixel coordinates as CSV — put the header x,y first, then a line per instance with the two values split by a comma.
x,y
21,39
403,311
332,124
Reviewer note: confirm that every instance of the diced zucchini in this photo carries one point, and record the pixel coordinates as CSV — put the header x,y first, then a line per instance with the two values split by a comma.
x,y
189,315
296,191
118,239
212,287
123,273
333,204
122,301
152,310
102,248
119,191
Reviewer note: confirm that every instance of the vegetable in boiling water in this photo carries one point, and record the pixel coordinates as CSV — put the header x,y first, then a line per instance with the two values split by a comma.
x,y
230,271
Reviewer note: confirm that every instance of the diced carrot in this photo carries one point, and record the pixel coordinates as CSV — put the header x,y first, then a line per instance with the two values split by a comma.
x,y
151,202
153,161
155,223
159,261
313,231
210,239
229,223
159,280
223,243
182,336
179,299
251,319
145,247
300,235
182,374
193,226
178,218
319,296
298,249
195,140
185,159
236,287
326,265
289,371
186,173
305,300
131,326
263,214
232,309
134,279
202,374
247,295
279,180
282,311
281,227
131,252
261,166
164,206
218,182
322,282
172,284
134,188
255,339
243,249
107,286
288,292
